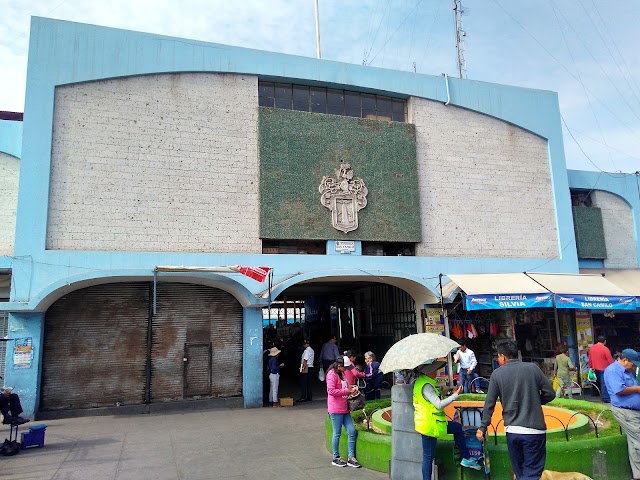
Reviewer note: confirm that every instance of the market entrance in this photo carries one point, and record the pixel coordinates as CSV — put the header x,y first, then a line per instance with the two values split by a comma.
x,y
364,316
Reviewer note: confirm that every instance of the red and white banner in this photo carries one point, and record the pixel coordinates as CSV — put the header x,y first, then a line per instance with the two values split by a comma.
x,y
257,273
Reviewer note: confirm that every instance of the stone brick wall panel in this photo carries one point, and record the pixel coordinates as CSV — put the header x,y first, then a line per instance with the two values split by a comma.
x,y
485,186
156,163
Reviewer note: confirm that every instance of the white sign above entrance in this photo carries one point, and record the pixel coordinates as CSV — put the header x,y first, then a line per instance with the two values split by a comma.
x,y
345,246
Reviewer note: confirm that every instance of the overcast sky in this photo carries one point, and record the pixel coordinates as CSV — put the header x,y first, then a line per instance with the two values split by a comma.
x,y
586,50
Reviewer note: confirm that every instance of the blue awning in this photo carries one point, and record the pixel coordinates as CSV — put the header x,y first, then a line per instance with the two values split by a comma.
x,y
492,291
591,292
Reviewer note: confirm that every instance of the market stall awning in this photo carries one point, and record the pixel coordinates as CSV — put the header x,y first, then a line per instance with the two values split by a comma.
x,y
627,280
592,292
490,291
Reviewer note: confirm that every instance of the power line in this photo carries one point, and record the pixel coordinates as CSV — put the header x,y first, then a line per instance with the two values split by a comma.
x,y
584,153
595,117
396,31
606,107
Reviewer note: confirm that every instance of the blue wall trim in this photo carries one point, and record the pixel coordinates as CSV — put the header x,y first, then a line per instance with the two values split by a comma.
x,y
11,137
624,185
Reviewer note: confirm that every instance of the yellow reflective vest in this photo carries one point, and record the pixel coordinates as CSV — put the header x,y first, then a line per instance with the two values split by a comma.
x,y
428,420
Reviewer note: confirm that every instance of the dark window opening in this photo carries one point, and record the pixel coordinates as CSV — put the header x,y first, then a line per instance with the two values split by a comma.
x,y
388,249
5,285
331,101
294,247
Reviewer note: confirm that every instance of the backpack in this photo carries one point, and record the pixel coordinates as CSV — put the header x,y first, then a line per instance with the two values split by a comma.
x,y
9,448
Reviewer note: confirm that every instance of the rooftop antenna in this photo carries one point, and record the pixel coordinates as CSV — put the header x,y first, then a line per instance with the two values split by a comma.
x,y
458,11
317,31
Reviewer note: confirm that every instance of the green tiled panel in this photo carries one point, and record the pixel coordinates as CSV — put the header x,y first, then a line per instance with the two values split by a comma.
x,y
297,149
589,232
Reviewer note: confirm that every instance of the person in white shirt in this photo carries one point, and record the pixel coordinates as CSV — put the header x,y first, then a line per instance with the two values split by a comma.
x,y
467,364
306,372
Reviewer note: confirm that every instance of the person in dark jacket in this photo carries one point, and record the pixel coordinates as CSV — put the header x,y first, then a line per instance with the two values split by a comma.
x,y
10,407
274,366
523,389
372,377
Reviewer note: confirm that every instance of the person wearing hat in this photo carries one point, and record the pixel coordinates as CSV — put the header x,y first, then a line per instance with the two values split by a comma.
x,y
352,374
431,421
274,365
10,407
620,381
338,392
306,372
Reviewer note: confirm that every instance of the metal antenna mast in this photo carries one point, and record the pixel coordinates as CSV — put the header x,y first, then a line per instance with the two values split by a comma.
x,y
458,11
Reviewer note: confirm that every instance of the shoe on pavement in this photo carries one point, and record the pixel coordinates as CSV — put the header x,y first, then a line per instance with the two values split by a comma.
x,y
338,462
473,463
352,462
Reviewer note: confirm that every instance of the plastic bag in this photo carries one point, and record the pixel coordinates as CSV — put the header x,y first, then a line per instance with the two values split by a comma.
x,y
556,383
321,374
591,376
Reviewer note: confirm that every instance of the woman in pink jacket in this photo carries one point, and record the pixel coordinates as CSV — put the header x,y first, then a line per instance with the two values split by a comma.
x,y
337,393
352,374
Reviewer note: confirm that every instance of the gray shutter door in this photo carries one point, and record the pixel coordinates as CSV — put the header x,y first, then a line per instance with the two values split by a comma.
x,y
188,316
95,347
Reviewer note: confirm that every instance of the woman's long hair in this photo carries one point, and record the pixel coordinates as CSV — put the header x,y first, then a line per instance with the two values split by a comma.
x,y
334,367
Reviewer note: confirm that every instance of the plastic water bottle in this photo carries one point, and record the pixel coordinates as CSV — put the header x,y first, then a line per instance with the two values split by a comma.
x,y
599,471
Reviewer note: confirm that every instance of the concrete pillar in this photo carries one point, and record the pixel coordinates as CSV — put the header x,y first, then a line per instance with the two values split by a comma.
x,y
252,357
406,443
25,379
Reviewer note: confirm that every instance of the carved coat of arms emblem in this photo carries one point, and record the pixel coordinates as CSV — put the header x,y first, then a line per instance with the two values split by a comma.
x,y
345,197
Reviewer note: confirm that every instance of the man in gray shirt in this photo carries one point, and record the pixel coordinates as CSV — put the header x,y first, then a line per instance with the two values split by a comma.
x,y
523,389
329,352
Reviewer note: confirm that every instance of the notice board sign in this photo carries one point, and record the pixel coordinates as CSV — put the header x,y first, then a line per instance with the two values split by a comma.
x,y
23,353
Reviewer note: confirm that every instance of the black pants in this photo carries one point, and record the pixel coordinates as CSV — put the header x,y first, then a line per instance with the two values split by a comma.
x,y
306,392
326,364
10,407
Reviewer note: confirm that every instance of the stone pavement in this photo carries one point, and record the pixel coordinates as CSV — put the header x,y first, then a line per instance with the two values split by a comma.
x,y
263,443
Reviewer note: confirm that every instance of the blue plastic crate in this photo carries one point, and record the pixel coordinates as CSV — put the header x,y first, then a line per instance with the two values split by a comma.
x,y
34,437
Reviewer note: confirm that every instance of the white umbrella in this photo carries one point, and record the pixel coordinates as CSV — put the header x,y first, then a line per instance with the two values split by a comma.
x,y
416,350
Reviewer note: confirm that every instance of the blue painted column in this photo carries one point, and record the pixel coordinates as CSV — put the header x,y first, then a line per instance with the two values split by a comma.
x,y
25,381
252,357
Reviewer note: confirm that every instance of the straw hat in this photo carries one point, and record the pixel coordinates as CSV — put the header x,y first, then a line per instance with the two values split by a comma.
x,y
273,351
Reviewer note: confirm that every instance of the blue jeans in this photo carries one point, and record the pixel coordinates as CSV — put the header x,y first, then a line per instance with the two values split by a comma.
x,y
528,454
337,421
429,448
467,378
604,393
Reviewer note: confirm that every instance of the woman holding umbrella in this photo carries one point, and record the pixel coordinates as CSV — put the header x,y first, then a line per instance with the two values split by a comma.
x,y
431,421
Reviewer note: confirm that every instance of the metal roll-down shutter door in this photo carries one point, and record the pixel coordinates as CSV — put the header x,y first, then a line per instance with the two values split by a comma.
x,y
95,347
196,343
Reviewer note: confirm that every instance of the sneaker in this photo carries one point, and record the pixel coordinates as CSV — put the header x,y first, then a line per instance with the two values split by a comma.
x,y
352,462
338,462
479,391
473,463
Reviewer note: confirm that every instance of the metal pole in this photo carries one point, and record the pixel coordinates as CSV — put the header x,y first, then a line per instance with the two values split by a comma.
x,y
445,320
317,31
456,4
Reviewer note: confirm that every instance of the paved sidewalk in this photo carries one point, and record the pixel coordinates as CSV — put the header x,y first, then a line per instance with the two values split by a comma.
x,y
263,443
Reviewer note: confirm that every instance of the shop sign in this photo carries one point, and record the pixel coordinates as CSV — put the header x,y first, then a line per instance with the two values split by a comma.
x,y
584,336
595,302
496,302
345,246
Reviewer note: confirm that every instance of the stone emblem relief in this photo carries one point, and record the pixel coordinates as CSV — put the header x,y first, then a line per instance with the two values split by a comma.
x,y
344,196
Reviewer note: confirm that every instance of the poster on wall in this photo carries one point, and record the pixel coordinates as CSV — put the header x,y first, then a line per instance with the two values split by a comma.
x,y
23,352
584,334
434,323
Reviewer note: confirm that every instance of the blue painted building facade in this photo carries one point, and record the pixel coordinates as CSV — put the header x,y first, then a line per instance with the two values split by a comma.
x,y
51,261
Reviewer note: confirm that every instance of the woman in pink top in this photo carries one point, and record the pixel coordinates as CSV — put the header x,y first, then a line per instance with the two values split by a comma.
x,y
352,374
337,394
